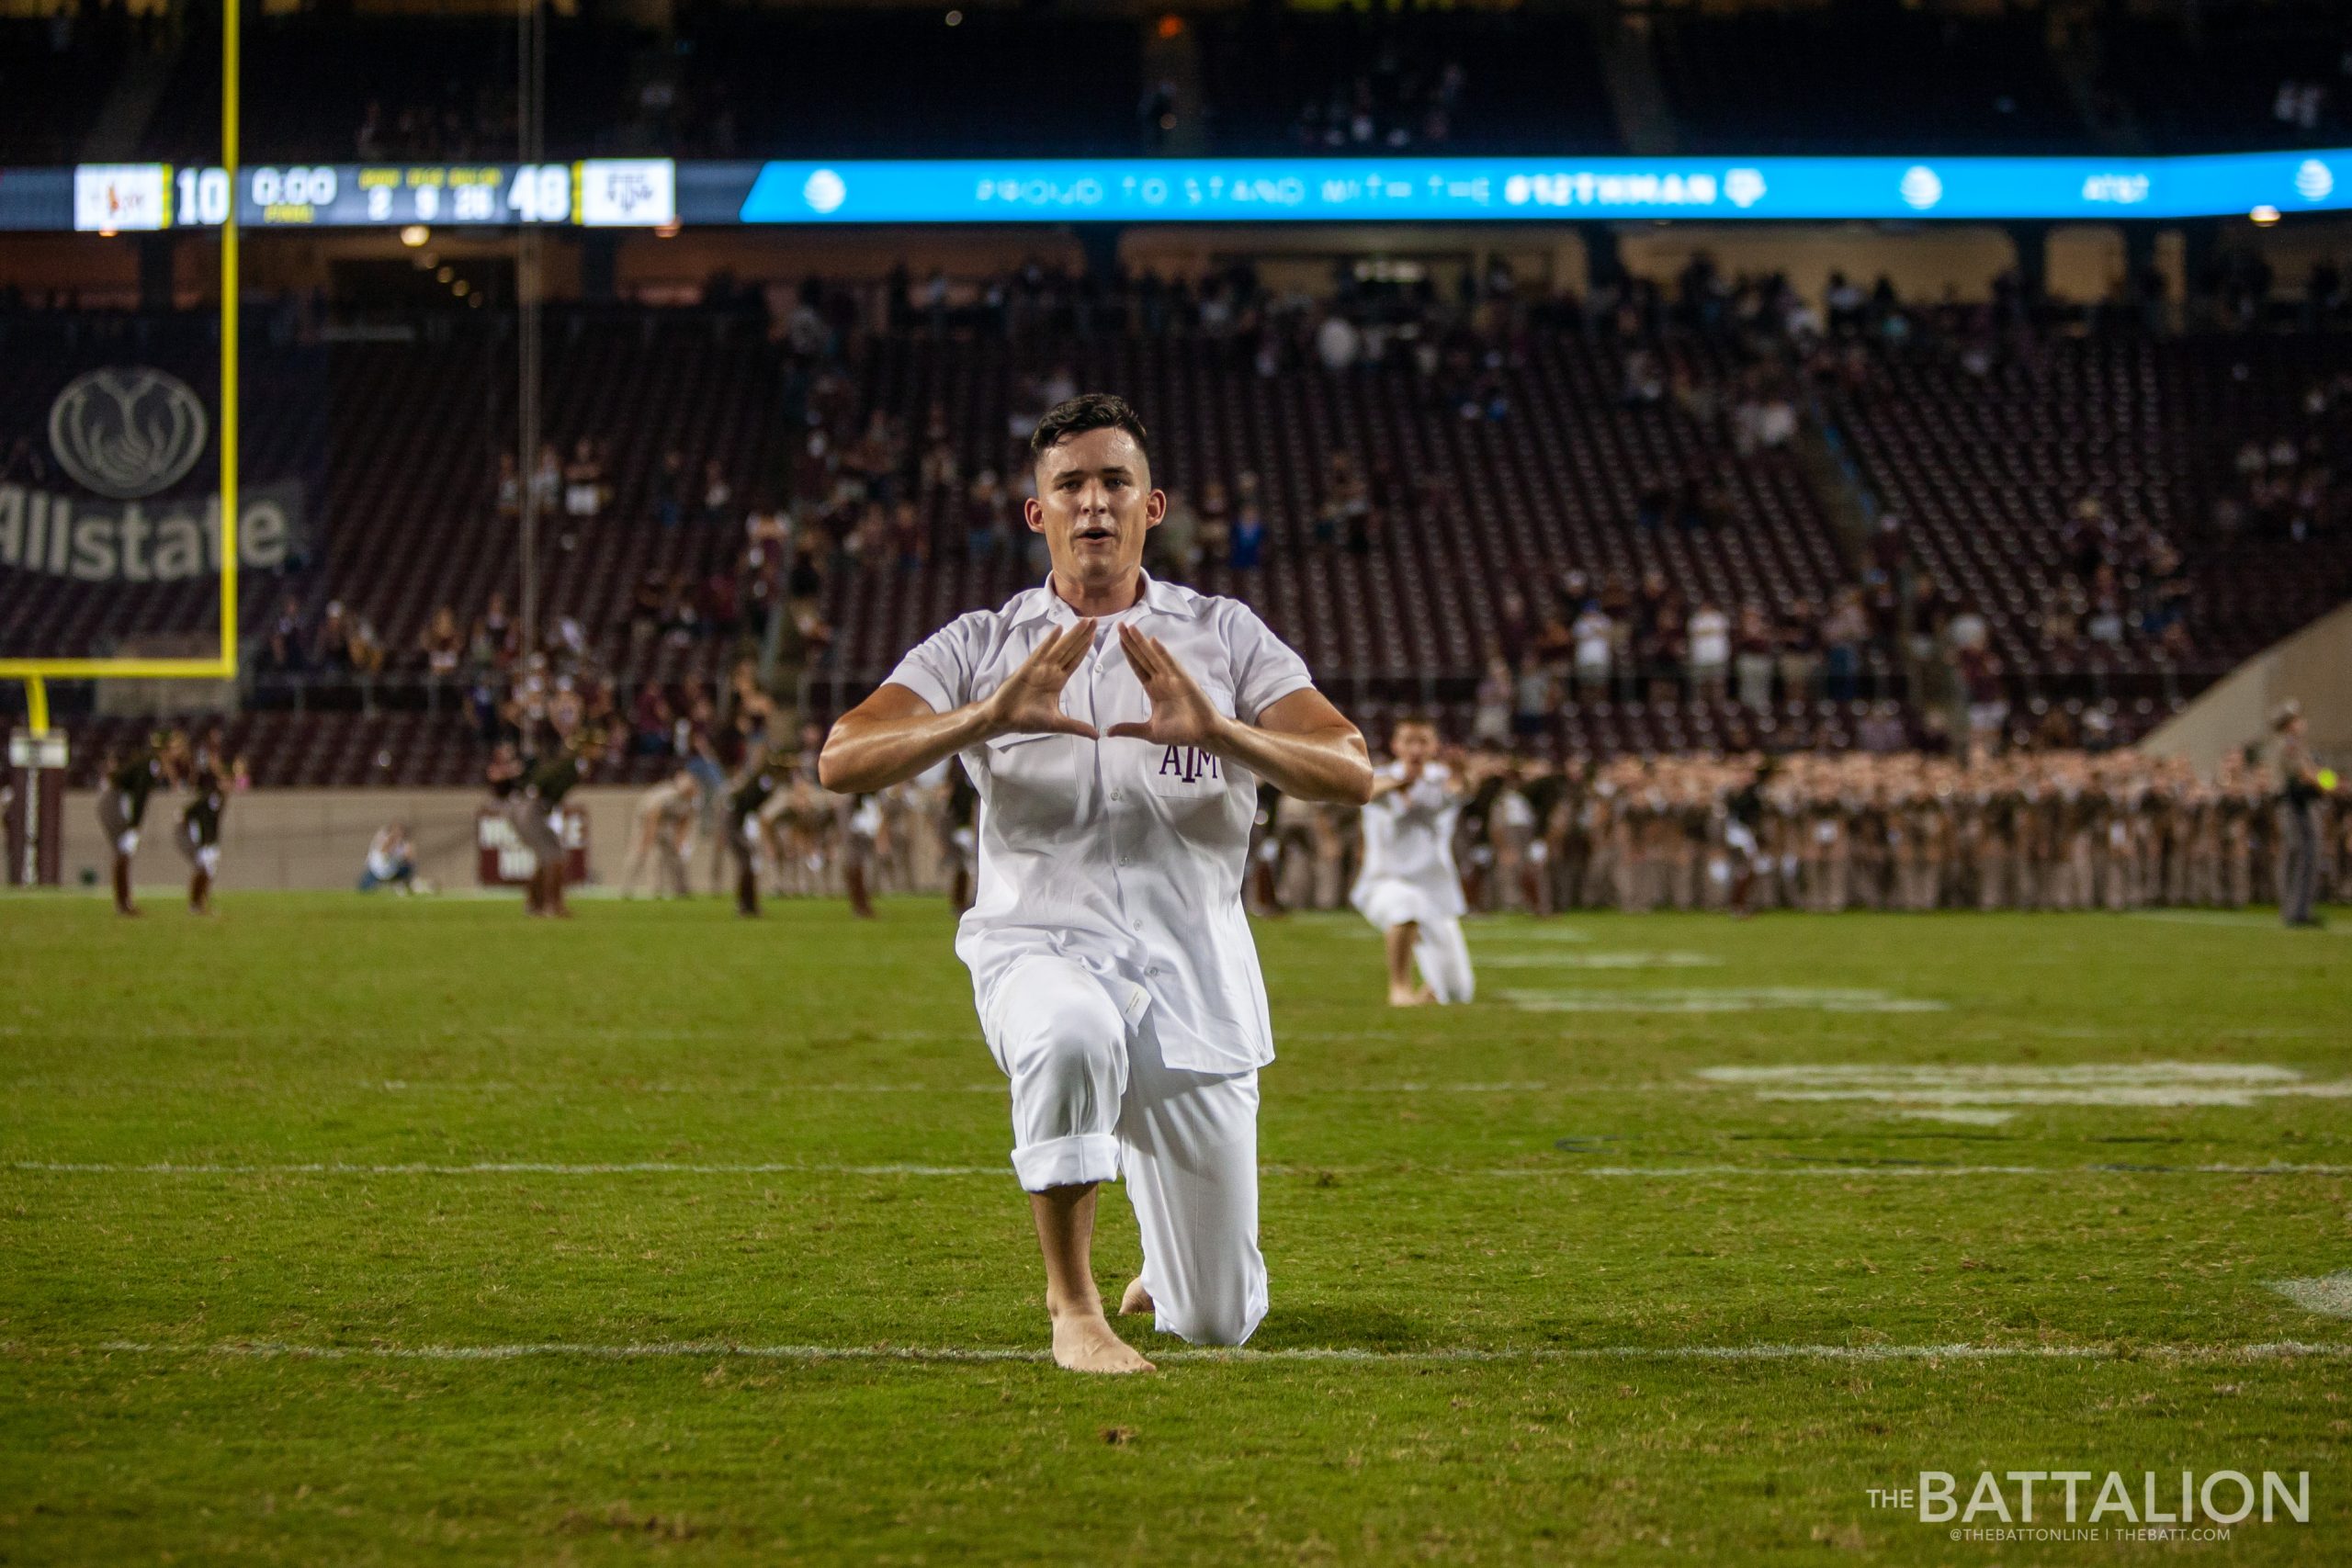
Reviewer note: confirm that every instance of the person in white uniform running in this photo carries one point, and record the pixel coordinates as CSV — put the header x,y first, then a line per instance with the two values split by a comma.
x,y
1408,885
1116,728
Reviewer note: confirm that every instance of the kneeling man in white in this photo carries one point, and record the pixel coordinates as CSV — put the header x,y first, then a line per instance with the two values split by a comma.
x,y
1111,965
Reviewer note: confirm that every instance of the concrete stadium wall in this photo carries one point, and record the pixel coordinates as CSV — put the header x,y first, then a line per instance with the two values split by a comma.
x,y
2314,666
317,838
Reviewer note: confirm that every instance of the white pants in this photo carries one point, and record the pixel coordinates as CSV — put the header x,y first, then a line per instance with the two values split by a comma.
x,y
1444,959
1091,1100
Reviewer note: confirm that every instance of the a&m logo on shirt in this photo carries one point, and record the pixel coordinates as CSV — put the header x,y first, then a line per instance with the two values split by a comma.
x,y
1188,765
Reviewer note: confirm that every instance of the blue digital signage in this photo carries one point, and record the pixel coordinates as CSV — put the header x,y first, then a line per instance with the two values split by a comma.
x,y
1263,190
659,192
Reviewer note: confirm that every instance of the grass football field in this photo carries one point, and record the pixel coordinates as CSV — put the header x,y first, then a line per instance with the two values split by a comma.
x,y
369,1231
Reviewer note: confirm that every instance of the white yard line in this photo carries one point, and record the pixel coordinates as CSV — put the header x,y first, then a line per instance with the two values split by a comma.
x,y
2268,1350
2238,1085
2243,921
1493,1173
1604,960
1719,999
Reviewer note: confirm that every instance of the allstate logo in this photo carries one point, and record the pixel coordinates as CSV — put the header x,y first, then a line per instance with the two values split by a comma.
x,y
1743,188
1921,189
2312,180
127,433
824,191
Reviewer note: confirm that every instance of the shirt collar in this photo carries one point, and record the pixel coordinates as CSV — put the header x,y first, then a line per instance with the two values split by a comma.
x,y
1042,602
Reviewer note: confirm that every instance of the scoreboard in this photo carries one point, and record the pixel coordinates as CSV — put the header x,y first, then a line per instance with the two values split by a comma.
x,y
658,193
354,195
598,192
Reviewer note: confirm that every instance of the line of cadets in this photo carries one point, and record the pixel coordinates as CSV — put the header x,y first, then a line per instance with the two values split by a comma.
x,y
2028,830
780,829
2032,830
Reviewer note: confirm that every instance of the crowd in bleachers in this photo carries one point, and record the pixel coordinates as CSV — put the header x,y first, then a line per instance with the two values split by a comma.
x,y
1586,515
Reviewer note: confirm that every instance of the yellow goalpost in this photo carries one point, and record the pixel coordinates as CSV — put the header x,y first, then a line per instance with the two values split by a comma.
x,y
37,672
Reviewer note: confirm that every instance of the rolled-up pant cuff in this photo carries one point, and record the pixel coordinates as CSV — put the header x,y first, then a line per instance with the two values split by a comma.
x,y
1072,1161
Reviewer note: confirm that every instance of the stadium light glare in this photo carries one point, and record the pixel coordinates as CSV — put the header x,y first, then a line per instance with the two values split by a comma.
x,y
2264,215
415,236
955,19
445,274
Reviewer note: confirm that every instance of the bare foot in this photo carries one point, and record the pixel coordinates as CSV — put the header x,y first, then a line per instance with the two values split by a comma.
x,y
1407,997
1136,1299
1084,1343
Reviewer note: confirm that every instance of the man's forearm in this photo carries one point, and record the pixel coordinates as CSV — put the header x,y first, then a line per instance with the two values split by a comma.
x,y
1314,764
865,755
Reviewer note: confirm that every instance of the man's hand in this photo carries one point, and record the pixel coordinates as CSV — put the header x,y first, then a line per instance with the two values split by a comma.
x,y
1182,714
1030,701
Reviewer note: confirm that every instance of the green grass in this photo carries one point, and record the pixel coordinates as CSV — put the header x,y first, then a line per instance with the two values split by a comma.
x,y
1564,1190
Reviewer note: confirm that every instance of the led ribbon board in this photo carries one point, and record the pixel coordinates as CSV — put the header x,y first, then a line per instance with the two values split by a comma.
x,y
1488,189
655,192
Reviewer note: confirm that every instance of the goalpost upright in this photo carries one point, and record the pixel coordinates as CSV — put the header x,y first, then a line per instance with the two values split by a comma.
x,y
36,674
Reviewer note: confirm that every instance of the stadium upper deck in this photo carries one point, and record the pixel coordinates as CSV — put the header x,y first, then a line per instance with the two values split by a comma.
x,y
94,83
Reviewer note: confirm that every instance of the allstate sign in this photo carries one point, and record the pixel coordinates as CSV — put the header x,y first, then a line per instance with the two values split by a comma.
x,y
127,433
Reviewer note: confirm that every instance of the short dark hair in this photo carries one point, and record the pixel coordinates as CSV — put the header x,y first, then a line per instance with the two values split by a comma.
x,y
1088,410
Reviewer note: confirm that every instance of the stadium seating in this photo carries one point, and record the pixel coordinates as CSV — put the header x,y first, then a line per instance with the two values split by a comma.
x,y
1985,471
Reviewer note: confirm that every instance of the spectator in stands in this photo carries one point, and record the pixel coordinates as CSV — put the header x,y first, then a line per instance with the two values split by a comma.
x,y
331,645
717,495
509,489
1709,646
650,722
908,539
583,482
1799,640
984,514
1337,344
1845,631
1661,649
1752,657
1596,649
1491,722
546,480
287,651
1177,541
1534,699
646,603
1248,541
670,488
804,585
721,609
443,645
1554,641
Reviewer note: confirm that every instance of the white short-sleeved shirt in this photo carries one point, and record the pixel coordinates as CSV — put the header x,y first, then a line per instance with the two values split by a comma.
x,y
1121,855
1409,848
